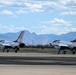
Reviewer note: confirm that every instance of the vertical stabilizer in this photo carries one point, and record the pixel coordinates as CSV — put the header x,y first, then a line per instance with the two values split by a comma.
x,y
19,39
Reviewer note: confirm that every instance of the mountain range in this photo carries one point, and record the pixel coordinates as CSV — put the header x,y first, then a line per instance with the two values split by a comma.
x,y
35,39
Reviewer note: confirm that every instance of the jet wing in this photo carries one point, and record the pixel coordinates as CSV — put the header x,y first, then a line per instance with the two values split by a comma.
x,y
59,45
65,45
4,44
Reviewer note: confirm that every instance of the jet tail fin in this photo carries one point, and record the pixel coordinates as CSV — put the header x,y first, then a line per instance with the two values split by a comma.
x,y
19,39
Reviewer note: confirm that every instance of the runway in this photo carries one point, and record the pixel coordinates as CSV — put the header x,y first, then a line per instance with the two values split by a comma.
x,y
37,70
37,64
36,59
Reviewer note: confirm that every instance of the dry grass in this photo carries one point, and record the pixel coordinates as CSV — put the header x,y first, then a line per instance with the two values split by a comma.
x,y
39,50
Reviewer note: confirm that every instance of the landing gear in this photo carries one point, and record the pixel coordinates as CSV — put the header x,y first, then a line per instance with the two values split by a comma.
x,y
62,49
6,49
16,49
73,50
64,52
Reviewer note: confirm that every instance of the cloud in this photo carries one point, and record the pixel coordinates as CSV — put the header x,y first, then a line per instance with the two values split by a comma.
x,y
6,12
69,13
40,5
57,30
56,26
21,12
6,3
11,28
34,7
58,22
67,4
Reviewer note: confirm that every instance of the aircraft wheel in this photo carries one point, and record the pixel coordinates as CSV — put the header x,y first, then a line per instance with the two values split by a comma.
x,y
73,52
64,52
15,49
3,50
7,51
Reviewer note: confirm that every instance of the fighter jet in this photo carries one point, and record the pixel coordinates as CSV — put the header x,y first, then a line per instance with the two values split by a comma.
x,y
63,46
15,45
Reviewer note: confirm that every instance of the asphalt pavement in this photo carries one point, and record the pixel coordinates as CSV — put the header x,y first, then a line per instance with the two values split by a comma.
x,y
37,69
37,59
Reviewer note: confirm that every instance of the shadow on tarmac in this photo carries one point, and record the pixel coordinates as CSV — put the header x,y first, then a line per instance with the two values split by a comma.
x,y
49,60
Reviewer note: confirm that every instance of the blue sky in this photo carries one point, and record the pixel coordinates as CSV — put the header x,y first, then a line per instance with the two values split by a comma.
x,y
39,16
